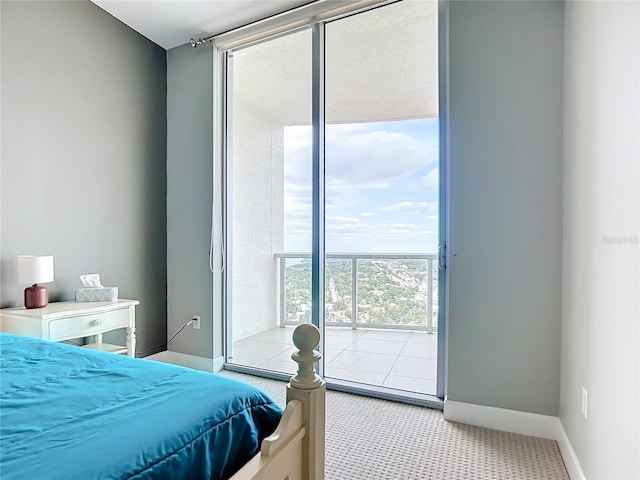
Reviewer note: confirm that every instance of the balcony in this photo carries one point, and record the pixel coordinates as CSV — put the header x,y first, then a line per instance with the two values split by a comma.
x,y
380,319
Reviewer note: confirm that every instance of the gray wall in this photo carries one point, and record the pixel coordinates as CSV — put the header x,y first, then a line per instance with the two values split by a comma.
x,y
505,204
189,199
84,155
601,220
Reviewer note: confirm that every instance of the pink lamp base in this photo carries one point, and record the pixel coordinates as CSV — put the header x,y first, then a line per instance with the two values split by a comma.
x,y
36,296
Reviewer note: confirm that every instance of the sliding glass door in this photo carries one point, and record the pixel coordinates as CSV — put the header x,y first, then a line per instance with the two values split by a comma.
x,y
268,198
333,177
381,196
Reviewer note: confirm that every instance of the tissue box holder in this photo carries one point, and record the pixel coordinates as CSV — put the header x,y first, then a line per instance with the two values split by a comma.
x,y
104,294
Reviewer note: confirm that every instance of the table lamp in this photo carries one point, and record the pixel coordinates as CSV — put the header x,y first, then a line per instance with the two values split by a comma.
x,y
35,269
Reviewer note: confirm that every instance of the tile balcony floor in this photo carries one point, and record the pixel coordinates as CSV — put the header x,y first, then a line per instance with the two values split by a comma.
x,y
401,359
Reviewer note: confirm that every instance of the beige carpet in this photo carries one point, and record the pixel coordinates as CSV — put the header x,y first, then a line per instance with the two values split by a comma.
x,y
369,439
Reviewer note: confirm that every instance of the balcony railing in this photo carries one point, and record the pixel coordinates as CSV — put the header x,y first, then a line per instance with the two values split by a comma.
x,y
397,291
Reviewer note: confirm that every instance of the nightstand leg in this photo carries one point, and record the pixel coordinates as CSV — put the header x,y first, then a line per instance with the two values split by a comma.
x,y
131,341
97,338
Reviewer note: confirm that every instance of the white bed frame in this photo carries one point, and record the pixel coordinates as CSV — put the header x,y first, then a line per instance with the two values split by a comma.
x,y
295,451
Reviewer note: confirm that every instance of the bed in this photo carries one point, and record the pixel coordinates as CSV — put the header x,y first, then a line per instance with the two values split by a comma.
x,y
71,413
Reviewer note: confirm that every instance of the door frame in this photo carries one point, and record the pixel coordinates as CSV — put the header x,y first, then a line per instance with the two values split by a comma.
x,y
318,218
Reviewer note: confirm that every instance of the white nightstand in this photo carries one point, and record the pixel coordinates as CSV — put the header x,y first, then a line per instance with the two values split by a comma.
x,y
65,320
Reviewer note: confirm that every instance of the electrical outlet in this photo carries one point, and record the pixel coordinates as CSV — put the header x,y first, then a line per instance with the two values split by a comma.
x,y
196,322
585,402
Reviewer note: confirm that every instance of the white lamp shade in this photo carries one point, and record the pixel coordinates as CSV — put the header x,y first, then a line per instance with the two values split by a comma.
x,y
35,269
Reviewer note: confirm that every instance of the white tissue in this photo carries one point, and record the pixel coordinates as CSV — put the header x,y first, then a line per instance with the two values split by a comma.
x,y
91,280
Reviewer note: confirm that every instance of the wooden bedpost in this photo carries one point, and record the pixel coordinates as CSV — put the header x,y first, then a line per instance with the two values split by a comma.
x,y
310,389
295,450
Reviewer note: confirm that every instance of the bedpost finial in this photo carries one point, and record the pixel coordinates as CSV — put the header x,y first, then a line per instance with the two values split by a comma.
x,y
306,337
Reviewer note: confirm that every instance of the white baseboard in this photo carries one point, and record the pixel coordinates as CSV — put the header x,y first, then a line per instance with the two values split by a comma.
x,y
218,363
569,455
524,423
192,361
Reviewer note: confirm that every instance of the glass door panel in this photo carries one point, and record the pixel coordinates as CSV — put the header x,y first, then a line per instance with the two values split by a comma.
x,y
268,199
381,197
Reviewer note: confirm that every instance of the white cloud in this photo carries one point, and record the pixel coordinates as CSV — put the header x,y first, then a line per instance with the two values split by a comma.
x,y
403,225
411,207
364,163
432,179
335,219
338,185
297,203
358,154
298,137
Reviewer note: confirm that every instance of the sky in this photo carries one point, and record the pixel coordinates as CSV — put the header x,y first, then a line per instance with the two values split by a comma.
x,y
381,187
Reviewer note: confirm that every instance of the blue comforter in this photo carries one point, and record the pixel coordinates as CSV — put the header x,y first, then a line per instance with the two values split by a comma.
x,y
69,413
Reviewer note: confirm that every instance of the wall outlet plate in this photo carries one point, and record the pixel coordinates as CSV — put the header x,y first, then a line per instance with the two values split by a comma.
x,y
196,322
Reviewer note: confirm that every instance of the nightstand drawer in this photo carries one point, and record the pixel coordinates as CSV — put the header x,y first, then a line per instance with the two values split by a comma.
x,y
86,325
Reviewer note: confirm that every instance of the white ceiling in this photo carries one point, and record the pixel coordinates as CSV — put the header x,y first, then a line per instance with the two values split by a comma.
x,y
380,65
170,23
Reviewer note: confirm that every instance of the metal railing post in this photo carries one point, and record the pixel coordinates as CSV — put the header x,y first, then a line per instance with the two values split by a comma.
x,y
354,293
282,293
429,296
